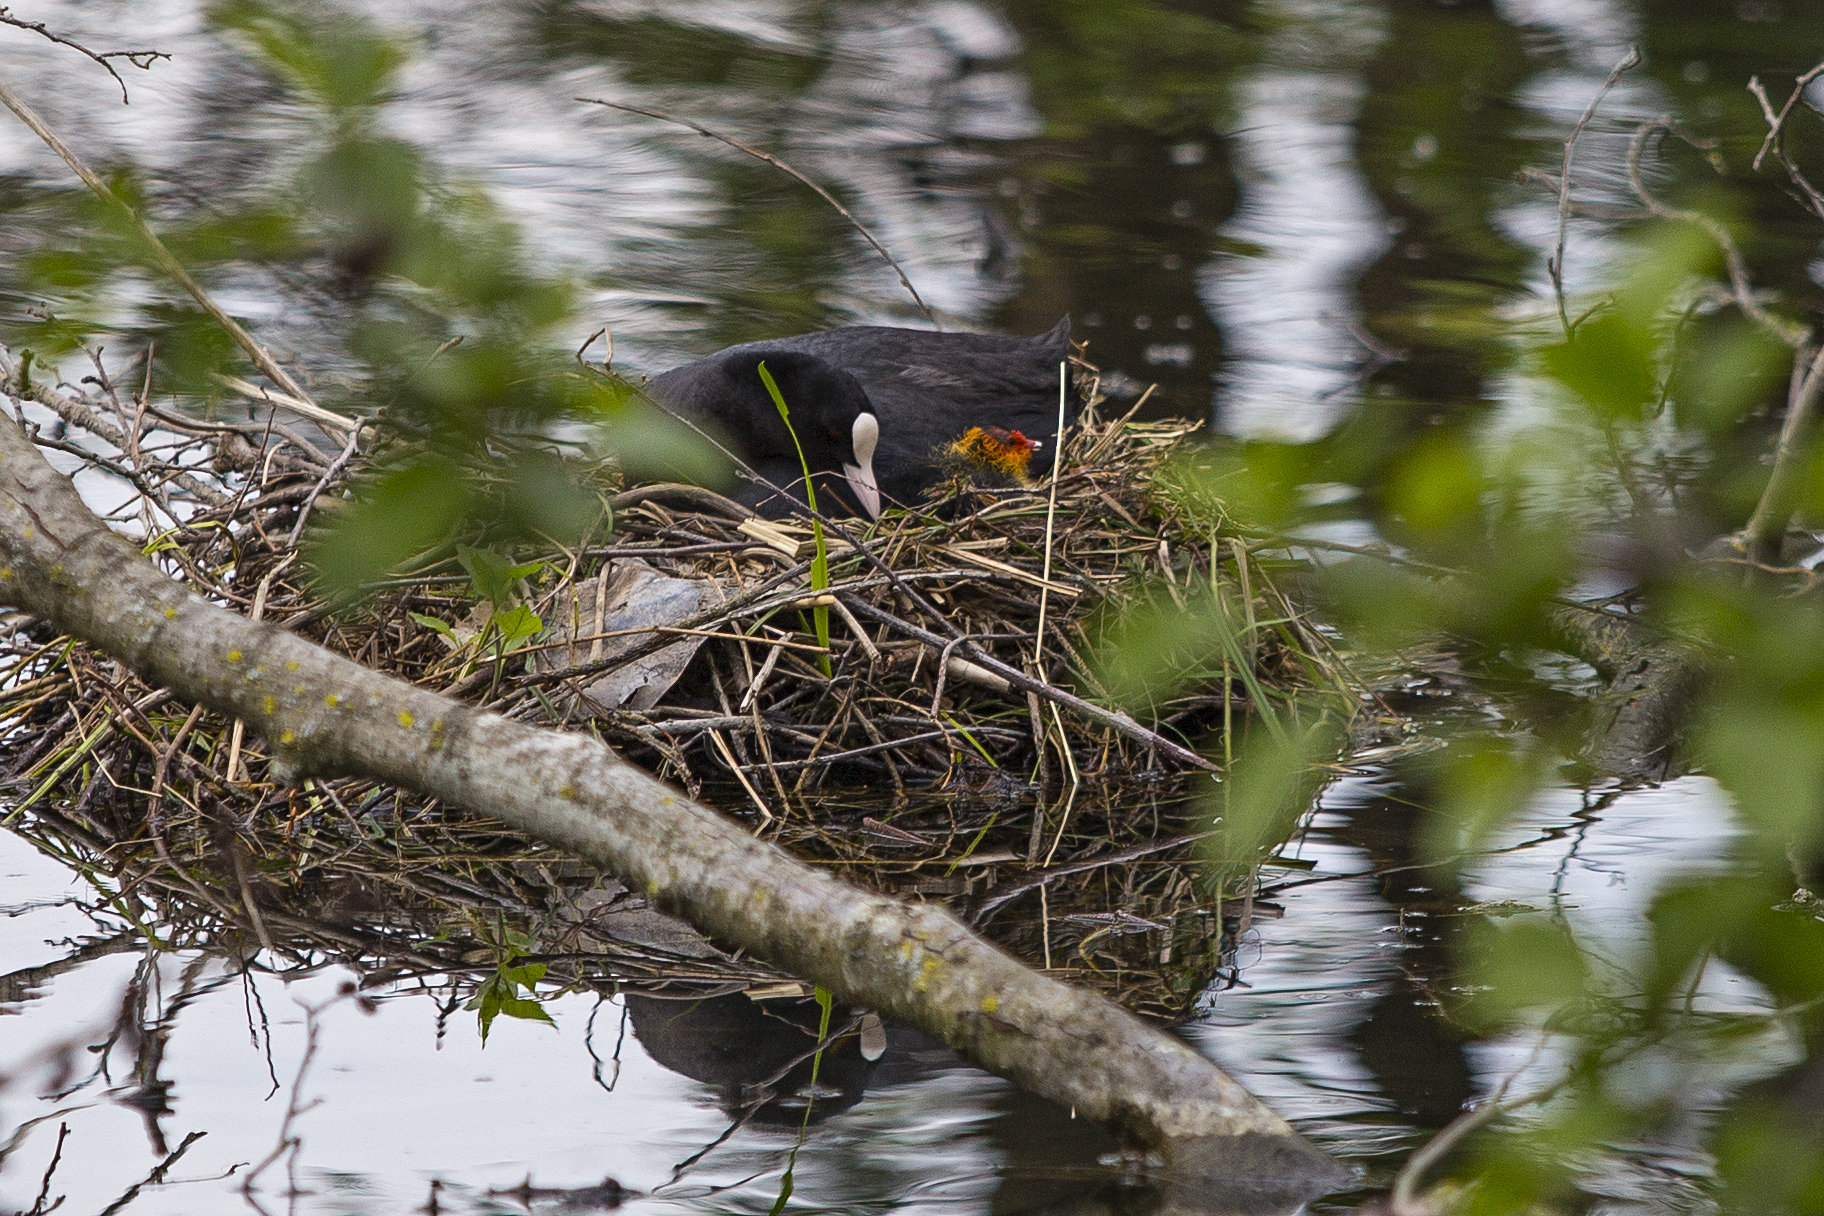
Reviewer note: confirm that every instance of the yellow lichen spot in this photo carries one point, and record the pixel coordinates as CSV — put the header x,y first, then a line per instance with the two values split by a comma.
x,y
297,690
170,613
905,951
566,791
268,705
406,719
5,573
286,736
291,665
234,656
333,701
991,1004
923,982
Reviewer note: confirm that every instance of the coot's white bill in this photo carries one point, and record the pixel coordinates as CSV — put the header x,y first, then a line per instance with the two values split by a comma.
x,y
866,436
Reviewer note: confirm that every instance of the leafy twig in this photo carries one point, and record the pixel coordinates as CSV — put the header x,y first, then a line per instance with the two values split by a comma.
x,y
163,256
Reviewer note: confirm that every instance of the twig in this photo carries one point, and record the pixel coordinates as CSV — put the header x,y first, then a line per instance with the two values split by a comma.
x,y
79,410
156,1177
1404,1200
1554,266
160,254
774,161
1041,878
1766,530
143,60
1119,722
1741,290
329,475
1776,135
296,404
1051,515
63,1129
313,1031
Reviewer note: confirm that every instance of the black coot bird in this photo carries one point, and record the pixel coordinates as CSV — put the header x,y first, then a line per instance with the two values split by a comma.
x,y
834,425
924,390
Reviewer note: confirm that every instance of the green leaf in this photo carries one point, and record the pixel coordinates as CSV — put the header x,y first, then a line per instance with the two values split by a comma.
x,y
495,577
516,625
820,563
431,622
1523,963
1610,363
499,994
398,515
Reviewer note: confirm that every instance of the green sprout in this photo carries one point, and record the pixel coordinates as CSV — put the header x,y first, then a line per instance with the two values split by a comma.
x,y
820,564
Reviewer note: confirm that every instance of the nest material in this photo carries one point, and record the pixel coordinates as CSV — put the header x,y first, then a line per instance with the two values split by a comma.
x,y
912,764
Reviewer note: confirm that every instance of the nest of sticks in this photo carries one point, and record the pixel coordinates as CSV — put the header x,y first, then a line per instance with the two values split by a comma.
x,y
950,741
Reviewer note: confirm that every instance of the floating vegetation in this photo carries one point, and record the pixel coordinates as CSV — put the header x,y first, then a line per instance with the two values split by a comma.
x,y
962,745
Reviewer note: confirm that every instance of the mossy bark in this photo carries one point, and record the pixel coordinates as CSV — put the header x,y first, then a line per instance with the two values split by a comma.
x,y
1652,683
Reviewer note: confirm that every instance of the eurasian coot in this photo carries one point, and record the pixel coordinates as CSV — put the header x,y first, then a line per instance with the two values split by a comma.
x,y
835,426
926,389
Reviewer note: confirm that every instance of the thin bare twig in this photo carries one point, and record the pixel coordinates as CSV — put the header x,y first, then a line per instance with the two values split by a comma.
x,y
776,163
1741,290
156,1177
1776,135
1404,1200
1555,265
63,1134
143,60
329,475
1051,515
1767,528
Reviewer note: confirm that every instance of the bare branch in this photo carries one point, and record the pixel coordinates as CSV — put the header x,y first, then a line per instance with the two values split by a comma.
x,y
1741,290
143,60
1555,265
1767,529
1776,135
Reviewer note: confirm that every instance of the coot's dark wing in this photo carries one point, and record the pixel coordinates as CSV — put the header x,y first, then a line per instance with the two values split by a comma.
x,y
929,388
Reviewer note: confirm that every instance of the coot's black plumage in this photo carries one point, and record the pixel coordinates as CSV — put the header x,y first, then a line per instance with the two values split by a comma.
x,y
927,389
833,422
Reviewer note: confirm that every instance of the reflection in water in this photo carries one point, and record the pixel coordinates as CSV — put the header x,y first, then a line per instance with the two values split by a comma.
x,y
759,1055
1303,231
1337,1021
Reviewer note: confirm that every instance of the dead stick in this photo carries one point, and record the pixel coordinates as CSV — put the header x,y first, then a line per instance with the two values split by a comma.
x,y
1119,722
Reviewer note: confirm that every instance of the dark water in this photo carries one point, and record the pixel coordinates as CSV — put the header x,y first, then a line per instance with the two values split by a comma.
x,y
1238,202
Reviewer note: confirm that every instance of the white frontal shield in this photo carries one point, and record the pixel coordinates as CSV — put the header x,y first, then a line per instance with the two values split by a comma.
x,y
866,436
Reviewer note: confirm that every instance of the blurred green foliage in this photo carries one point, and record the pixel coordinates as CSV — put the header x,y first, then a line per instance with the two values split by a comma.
x,y
1633,439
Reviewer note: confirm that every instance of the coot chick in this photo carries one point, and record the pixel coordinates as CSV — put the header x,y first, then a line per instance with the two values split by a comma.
x,y
835,425
927,390
991,457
